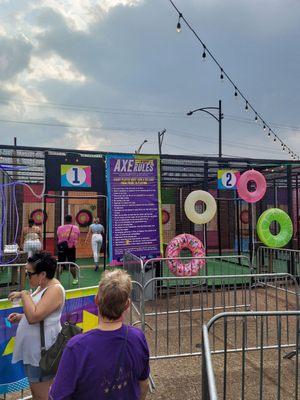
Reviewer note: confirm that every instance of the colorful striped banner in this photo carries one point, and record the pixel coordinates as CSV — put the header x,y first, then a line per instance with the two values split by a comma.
x,y
80,308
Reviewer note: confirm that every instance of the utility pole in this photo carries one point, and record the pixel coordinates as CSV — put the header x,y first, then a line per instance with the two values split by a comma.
x,y
160,136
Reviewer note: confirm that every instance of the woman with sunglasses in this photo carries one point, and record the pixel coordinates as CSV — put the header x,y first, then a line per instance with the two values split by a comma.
x,y
44,304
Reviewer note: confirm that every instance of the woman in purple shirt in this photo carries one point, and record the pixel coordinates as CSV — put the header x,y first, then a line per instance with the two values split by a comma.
x,y
110,362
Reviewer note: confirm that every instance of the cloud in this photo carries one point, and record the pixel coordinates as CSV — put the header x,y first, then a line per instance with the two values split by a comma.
x,y
14,56
80,140
80,15
53,67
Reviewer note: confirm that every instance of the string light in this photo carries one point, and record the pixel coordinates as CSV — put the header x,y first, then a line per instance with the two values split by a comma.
x,y
178,23
269,133
223,74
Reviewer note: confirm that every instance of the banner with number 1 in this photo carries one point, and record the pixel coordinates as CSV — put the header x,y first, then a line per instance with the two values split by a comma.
x,y
75,176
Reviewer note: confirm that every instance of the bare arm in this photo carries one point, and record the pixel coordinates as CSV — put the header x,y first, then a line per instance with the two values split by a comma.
x,y
51,300
88,235
144,386
39,232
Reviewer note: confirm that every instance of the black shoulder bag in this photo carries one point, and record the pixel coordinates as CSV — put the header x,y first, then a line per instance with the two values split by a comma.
x,y
62,246
50,358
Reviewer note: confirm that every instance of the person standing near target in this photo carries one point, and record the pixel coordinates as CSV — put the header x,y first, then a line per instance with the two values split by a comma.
x,y
67,239
96,230
31,238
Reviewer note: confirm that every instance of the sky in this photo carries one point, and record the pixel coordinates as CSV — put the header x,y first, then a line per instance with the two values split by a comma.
x,y
108,74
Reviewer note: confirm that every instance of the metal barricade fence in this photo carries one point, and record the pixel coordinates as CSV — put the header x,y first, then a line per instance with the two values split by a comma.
x,y
13,276
272,260
209,390
261,366
181,305
68,266
214,265
134,266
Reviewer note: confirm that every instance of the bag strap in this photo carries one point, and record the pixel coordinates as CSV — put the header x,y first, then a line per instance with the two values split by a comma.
x,y
42,332
120,359
42,329
70,232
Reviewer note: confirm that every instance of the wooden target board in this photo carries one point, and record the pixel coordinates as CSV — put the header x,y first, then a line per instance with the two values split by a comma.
x,y
34,211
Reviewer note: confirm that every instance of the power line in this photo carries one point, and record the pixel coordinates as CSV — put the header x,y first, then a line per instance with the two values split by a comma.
x,y
226,142
136,129
237,91
61,125
93,109
137,112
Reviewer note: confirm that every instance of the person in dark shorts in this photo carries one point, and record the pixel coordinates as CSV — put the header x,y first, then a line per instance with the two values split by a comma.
x,y
68,233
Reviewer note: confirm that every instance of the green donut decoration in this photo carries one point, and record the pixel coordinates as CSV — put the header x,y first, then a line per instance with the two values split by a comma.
x,y
286,228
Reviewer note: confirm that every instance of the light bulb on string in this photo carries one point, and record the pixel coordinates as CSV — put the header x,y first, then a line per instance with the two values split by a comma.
x,y
204,53
264,127
274,140
178,23
235,92
246,106
269,133
256,119
221,75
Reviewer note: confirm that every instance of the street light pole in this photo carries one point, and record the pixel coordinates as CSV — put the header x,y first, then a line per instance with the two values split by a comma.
x,y
220,128
217,118
140,148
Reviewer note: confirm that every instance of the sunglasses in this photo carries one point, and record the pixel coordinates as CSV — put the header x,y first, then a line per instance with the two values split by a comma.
x,y
29,274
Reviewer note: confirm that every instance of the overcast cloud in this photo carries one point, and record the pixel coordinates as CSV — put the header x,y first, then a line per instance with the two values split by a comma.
x,y
107,74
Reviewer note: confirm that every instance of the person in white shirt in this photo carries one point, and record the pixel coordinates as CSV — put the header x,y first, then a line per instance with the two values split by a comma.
x,y
44,304
96,230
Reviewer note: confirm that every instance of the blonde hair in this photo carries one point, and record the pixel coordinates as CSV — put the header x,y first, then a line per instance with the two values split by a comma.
x,y
96,220
113,293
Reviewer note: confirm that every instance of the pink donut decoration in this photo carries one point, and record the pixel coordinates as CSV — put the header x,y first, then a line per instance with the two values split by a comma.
x,y
260,182
176,245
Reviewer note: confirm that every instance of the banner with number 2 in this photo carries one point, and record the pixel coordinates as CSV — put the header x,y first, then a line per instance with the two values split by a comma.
x,y
227,179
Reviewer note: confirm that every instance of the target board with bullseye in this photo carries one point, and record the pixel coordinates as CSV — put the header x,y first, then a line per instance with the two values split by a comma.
x,y
244,216
34,211
84,218
168,221
39,216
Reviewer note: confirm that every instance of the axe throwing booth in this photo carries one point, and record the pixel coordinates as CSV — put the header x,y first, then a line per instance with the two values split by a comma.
x,y
77,187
